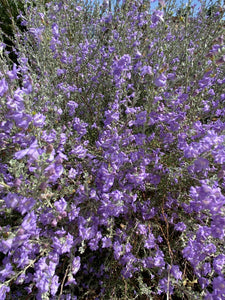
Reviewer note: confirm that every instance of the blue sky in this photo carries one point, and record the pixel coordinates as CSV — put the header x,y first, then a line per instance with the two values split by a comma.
x,y
178,3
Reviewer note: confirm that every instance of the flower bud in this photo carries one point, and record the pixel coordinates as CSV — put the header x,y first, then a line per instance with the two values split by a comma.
x,y
54,223
17,182
63,214
221,174
43,186
49,148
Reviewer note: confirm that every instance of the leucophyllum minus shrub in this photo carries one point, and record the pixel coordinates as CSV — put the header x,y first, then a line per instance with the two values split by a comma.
x,y
112,167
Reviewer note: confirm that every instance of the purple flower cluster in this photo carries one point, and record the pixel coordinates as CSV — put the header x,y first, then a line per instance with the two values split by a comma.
x,y
112,157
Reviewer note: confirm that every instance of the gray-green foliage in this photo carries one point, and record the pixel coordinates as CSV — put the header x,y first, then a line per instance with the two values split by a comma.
x,y
43,66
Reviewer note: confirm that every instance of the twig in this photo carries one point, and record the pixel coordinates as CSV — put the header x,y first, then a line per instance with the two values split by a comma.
x,y
63,281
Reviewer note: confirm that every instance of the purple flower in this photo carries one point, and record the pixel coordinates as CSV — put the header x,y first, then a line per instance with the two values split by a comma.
x,y
219,154
204,283
76,265
157,99
205,197
159,259
39,120
119,66
12,200
219,263
219,285
27,85
140,118
190,151
55,30
163,286
72,173
13,74
74,213
86,233
142,229
32,151
17,101
136,178
54,171
150,241
154,179
3,87
79,126
93,243
218,229
72,105
54,285
60,72
22,120
180,226
49,137
41,276
201,164
157,16
60,205
160,81
138,55
118,250
6,245
106,242
37,32
7,271
29,222
146,70
206,269
125,61
110,117
129,270
175,271
203,233
63,245
79,151
108,182
174,126
71,280
23,64
171,76
3,291
78,8
205,82
26,204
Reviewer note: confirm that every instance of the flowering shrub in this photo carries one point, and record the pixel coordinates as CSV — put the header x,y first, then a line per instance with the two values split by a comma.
x,y
113,155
